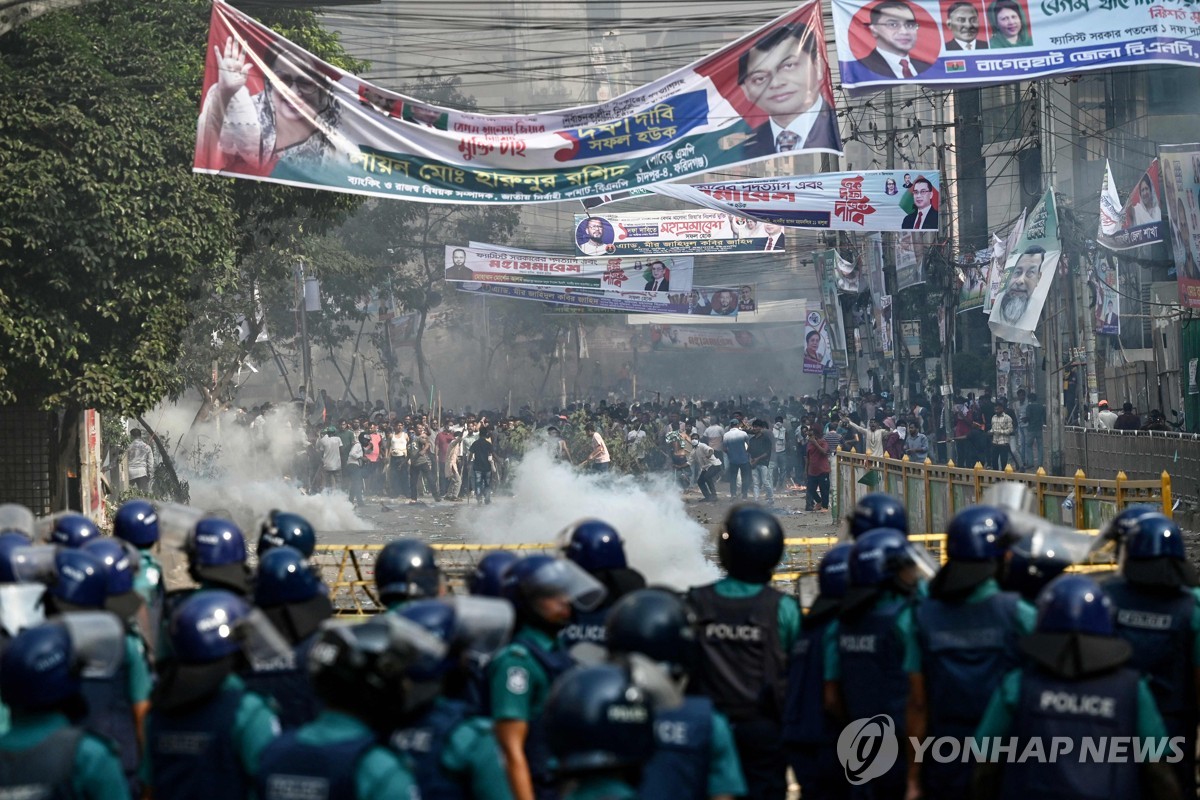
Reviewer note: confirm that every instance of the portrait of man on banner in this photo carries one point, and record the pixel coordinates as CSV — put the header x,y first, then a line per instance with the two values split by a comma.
x,y
594,237
1018,285
895,39
963,23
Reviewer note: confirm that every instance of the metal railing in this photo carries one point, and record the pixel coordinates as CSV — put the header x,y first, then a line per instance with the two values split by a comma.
x,y
1147,454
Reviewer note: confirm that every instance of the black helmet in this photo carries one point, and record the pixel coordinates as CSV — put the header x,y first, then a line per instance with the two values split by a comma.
x,y
406,570
877,510
751,544
597,718
656,623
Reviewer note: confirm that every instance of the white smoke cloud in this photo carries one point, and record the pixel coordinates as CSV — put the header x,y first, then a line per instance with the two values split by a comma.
x,y
661,540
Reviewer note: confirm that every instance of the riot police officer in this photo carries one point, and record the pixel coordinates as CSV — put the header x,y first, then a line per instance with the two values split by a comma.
x,y
216,553
1157,613
809,731
449,740
597,548
967,631
359,674
406,570
285,529
487,579
746,629
43,754
877,510
1076,684
205,732
291,595
69,529
136,522
120,565
542,590
695,757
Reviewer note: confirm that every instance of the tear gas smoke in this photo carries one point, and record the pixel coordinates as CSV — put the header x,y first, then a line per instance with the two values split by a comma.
x,y
245,471
661,540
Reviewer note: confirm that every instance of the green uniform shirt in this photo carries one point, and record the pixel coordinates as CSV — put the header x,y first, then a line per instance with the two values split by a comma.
x,y
998,719
724,769
140,682
517,683
789,609
472,752
906,630
601,789
381,773
148,580
97,774
1026,613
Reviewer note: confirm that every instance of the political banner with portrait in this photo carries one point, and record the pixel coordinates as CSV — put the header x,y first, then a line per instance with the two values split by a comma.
x,y
1136,223
911,249
708,301
274,112
1106,308
658,233
1180,165
726,339
872,200
1028,272
826,264
955,42
973,274
818,345
495,264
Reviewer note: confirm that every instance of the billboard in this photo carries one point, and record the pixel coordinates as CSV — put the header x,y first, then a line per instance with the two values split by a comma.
x,y
655,233
485,263
1180,183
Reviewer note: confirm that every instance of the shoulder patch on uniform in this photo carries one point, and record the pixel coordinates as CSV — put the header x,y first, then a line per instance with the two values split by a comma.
x,y
517,680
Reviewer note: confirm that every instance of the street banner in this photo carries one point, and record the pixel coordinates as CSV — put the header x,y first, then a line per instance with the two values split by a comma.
x,y
879,200
973,275
883,326
1028,272
274,112
849,276
1000,250
708,301
1139,221
1181,182
818,346
835,326
726,339
910,259
910,334
939,42
496,264
656,233
1105,280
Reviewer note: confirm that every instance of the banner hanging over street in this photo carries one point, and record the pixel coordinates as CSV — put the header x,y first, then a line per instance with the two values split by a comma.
x,y
656,233
723,339
494,264
931,42
1139,221
715,301
1181,186
274,112
1028,272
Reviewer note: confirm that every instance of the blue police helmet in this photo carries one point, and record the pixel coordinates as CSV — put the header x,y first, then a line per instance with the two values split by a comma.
x,y
656,623
81,579
750,544
119,564
1152,535
37,670
487,579
282,528
440,619
597,718
540,576
137,523
73,530
1074,604
8,542
204,627
1123,524
976,534
878,510
878,556
1028,574
594,545
833,573
406,569
284,576
216,542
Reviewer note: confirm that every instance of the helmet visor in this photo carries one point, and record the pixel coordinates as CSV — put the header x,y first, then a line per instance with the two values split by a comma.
x,y
262,643
44,526
655,681
175,523
35,563
21,606
485,624
410,641
561,576
98,639
1043,539
1010,496
15,517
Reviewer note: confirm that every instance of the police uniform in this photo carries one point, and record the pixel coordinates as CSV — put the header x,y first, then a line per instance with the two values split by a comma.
x,y
695,757
208,749
111,701
965,649
454,754
148,583
1031,702
519,680
44,756
585,626
746,629
334,757
287,684
606,788
809,732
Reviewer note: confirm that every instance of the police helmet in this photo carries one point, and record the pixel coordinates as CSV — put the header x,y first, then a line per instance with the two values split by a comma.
x,y
598,719
73,530
975,543
204,628
9,541
16,518
38,670
594,545
81,580
750,544
878,556
878,510
538,576
285,528
121,565
1074,604
136,522
216,551
487,579
833,582
284,576
1027,573
1123,524
656,623
1154,553
407,570
472,629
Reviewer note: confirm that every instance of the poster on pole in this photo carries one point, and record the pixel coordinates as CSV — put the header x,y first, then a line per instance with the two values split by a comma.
x,y
272,111
883,326
835,326
1136,223
937,42
727,339
496,264
659,233
1106,308
707,301
911,249
818,346
1028,273
973,275
1180,183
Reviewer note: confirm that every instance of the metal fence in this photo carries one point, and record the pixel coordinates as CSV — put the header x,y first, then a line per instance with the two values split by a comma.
x,y
1147,454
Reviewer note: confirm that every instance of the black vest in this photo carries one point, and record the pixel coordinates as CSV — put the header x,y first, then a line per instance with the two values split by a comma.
x,y
288,684
192,751
44,771
682,759
425,741
292,770
110,714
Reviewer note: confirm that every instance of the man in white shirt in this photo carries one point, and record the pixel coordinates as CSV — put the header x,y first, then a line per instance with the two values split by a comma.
x,y
329,446
873,435
599,458
140,461
714,434
593,243
1106,419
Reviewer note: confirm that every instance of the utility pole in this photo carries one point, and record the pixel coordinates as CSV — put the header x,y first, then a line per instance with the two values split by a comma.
x,y
889,259
949,290
305,353
1054,409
